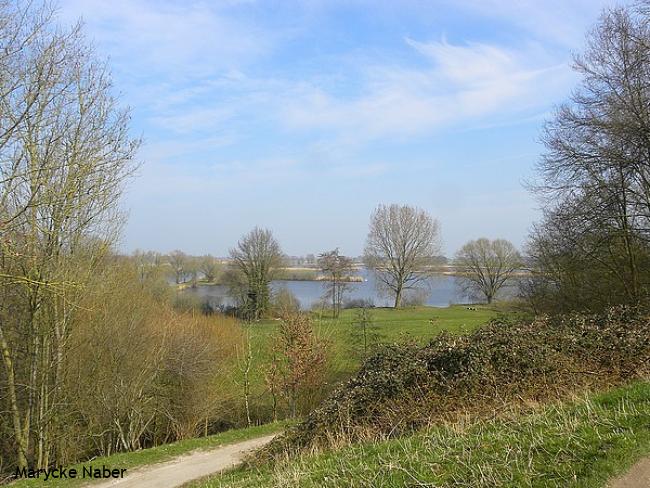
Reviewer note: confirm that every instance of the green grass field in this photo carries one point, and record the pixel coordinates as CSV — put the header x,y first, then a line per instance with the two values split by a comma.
x,y
132,460
578,444
418,324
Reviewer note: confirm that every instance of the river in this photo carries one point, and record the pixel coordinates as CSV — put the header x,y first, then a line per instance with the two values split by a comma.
x,y
438,291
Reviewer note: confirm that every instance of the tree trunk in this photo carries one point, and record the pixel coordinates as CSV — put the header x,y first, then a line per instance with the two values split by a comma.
x,y
398,297
20,439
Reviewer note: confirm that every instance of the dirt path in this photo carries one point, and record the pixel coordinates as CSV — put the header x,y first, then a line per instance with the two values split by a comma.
x,y
637,477
186,468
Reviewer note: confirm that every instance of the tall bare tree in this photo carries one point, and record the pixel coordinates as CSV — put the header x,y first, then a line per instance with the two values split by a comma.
x,y
595,174
337,269
65,153
487,266
256,258
401,245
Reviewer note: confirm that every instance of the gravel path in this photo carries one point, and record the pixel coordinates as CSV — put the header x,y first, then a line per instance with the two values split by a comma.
x,y
187,467
637,477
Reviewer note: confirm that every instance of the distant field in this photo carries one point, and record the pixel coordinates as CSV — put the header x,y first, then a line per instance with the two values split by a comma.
x,y
297,274
417,324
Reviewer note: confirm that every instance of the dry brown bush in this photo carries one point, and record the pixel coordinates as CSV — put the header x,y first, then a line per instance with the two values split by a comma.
x,y
140,373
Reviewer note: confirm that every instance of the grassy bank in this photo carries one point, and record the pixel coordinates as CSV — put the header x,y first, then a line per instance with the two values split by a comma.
x,y
389,325
297,274
417,323
505,363
576,444
133,460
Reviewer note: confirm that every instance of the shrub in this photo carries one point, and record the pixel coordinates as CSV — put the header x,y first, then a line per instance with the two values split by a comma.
x,y
403,387
415,298
297,371
285,302
359,303
141,372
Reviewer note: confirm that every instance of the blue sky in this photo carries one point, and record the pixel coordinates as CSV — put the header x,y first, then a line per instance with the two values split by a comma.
x,y
303,116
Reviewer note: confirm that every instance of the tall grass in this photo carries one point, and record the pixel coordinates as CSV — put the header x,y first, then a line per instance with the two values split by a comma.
x,y
578,444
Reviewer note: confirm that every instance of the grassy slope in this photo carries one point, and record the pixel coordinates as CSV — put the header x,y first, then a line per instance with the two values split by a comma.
x,y
132,460
579,444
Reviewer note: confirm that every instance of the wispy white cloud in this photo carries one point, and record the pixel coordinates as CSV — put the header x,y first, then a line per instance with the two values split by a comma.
x,y
181,40
556,21
181,150
189,61
194,120
457,84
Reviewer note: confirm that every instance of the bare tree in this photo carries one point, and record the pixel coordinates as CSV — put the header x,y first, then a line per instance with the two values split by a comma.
x,y
245,362
337,269
400,248
178,260
364,332
209,267
487,266
65,153
256,259
595,174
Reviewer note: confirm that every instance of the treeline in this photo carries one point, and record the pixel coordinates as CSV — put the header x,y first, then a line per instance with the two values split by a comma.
x,y
402,250
93,356
64,155
592,248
